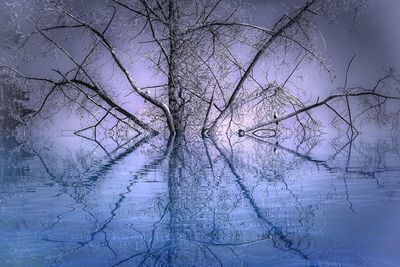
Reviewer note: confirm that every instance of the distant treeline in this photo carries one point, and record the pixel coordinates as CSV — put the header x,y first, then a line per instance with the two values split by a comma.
x,y
13,103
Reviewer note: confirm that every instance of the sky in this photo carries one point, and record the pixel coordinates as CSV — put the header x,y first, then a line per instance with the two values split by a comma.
x,y
374,40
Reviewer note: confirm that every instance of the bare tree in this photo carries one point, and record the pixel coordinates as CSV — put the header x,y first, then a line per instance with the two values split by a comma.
x,y
202,82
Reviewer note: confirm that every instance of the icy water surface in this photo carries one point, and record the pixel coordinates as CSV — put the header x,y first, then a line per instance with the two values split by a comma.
x,y
200,203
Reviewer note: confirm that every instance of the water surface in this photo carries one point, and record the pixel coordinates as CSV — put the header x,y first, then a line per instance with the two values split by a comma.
x,y
200,203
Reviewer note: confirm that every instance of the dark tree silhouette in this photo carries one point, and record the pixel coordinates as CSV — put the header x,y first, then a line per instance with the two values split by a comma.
x,y
13,103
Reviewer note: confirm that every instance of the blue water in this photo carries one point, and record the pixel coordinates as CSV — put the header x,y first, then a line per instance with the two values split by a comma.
x,y
66,202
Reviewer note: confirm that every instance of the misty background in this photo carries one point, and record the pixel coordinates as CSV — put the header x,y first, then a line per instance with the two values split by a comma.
x,y
370,34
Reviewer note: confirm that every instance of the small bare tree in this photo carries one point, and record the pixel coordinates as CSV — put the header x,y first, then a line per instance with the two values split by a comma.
x,y
13,102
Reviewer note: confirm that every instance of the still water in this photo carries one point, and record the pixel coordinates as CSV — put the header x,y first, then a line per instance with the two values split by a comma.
x,y
246,202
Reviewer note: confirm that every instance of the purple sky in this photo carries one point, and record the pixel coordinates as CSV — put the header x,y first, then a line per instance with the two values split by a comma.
x,y
374,40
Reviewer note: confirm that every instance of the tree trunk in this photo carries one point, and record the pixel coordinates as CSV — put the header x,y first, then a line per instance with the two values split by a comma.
x,y
175,100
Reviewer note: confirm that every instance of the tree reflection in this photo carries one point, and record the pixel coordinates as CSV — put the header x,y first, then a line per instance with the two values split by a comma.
x,y
208,203
206,197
